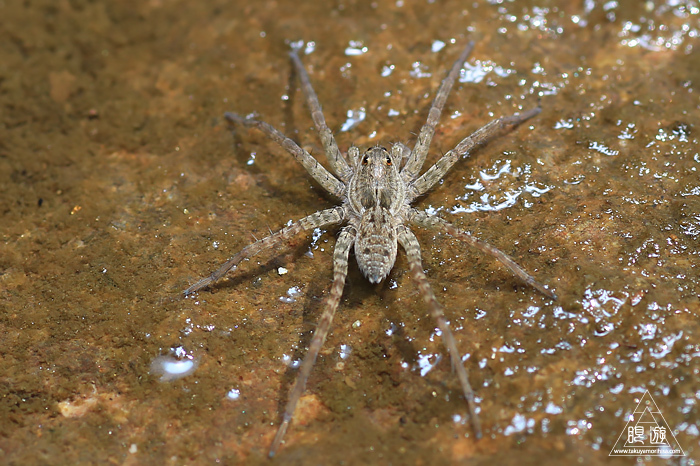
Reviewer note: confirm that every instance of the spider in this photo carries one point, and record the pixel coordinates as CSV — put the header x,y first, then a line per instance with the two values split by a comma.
x,y
375,189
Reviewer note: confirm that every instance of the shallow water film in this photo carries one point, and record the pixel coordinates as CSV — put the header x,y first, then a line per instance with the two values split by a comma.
x,y
121,185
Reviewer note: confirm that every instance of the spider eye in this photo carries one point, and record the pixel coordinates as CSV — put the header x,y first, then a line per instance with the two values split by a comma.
x,y
365,159
388,160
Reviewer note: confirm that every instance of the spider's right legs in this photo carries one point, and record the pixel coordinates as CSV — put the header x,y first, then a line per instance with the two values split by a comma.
x,y
410,244
337,162
432,175
340,272
420,151
329,182
431,221
320,219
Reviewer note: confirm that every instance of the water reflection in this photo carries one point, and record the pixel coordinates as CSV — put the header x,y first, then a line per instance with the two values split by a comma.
x,y
426,362
177,364
502,171
354,118
476,71
355,48
519,423
233,394
292,294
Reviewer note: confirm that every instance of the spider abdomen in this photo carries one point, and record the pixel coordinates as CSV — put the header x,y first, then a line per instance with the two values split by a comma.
x,y
376,244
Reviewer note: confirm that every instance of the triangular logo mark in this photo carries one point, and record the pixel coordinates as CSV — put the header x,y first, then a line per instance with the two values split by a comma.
x,y
647,433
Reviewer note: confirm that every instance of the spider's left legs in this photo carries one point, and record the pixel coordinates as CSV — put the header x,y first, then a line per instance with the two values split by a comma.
x,y
431,221
319,219
410,244
328,181
425,137
340,272
431,176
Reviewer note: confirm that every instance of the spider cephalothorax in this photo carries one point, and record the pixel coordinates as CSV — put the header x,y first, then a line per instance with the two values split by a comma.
x,y
376,205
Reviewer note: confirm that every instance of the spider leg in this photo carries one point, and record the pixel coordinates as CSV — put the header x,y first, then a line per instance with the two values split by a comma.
x,y
431,221
340,271
410,244
405,152
337,162
329,182
420,151
428,179
319,219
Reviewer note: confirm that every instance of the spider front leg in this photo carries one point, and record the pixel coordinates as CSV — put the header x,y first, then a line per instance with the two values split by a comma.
x,y
428,179
329,182
410,244
320,219
337,162
405,152
431,221
420,150
340,272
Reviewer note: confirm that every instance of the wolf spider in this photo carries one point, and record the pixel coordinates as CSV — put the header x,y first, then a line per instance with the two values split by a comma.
x,y
376,189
